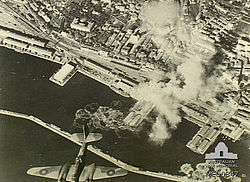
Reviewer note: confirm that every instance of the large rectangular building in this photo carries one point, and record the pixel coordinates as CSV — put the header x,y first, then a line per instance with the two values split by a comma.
x,y
16,43
23,38
40,50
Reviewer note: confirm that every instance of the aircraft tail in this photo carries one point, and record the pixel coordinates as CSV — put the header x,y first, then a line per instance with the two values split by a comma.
x,y
92,137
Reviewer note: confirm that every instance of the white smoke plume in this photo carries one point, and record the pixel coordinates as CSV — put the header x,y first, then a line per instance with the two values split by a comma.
x,y
215,84
167,97
158,16
192,72
159,132
162,20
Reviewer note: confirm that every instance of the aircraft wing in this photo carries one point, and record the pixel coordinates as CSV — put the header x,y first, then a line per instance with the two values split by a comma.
x,y
108,172
100,172
91,148
51,172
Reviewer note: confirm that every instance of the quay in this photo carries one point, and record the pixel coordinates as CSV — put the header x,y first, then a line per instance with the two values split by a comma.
x,y
34,46
94,149
226,123
28,44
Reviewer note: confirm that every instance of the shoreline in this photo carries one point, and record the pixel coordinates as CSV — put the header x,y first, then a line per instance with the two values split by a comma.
x,y
93,149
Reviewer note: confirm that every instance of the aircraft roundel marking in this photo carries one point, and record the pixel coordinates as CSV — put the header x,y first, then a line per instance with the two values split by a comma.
x,y
111,172
43,171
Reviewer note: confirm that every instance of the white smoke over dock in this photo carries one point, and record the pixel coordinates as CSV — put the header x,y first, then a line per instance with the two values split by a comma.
x,y
163,22
167,97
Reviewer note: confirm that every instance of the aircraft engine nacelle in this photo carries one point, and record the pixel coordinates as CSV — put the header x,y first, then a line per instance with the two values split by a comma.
x,y
88,173
63,173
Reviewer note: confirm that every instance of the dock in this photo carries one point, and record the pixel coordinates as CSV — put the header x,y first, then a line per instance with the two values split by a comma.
x,y
138,113
205,137
213,124
64,74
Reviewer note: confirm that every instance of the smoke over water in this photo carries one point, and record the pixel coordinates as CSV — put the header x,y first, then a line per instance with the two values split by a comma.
x,y
184,85
159,131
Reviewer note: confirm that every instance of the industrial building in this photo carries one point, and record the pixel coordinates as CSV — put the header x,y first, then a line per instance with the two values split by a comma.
x,y
28,48
40,50
82,26
25,44
23,38
15,43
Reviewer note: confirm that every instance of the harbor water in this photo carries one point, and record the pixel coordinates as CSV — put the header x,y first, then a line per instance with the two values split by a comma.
x,y
25,88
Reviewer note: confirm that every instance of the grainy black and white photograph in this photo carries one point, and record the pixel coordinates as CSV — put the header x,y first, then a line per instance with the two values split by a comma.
x,y
125,90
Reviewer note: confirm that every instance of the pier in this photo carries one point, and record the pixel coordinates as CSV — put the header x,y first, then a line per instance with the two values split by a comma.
x,y
34,46
138,113
64,74
93,149
212,123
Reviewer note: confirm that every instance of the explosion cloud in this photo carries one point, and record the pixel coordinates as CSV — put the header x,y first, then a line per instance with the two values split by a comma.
x,y
162,20
159,131
167,97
